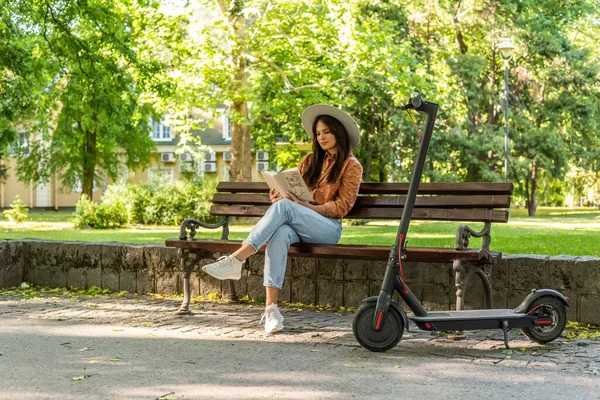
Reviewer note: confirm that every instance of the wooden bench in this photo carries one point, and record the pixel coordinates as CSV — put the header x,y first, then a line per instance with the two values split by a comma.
x,y
460,202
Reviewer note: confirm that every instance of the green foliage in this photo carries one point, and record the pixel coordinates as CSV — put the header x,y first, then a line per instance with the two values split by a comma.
x,y
83,77
18,211
29,291
170,204
148,203
100,216
577,331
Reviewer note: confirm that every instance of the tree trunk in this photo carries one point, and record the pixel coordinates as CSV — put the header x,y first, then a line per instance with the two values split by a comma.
x,y
241,149
370,137
89,163
531,202
241,154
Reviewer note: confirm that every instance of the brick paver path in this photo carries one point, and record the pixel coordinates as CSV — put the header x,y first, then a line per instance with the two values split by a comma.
x,y
239,322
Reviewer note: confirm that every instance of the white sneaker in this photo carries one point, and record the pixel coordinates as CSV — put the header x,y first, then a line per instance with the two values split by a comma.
x,y
274,319
226,267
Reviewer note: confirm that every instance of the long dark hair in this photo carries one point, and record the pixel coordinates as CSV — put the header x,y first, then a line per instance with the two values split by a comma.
x,y
313,173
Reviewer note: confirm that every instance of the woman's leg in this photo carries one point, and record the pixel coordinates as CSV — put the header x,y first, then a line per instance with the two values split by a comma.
x,y
244,252
274,273
276,259
310,227
272,295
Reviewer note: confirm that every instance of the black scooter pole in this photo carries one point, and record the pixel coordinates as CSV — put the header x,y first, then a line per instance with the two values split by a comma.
x,y
392,279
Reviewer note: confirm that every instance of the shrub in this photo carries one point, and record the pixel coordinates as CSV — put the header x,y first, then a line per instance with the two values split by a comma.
x,y
101,216
169,204
18,211
356,222
148,203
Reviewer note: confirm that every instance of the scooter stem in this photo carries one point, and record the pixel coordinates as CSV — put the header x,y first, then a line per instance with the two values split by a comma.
x,y
392,279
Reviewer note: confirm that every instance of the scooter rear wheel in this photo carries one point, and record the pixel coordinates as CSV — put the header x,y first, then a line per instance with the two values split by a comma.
x,y
558,313
389,335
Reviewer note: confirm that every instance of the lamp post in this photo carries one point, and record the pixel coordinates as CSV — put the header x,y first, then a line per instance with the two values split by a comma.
x,y
506,49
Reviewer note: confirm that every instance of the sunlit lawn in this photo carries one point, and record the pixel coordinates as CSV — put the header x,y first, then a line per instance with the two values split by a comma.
x,y
551,232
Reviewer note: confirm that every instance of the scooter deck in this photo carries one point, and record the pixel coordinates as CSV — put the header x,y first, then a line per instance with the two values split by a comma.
x,y
496,314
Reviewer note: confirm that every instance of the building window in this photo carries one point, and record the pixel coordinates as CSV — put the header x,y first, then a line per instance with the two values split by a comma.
x,y
160,132
164,175
226,127
19,147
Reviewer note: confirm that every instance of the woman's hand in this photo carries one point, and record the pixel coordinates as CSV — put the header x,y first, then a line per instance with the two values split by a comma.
x,y
291,196
274,196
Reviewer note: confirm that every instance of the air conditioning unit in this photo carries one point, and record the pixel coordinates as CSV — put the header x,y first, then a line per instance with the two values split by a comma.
x,y
210,157
262,155
226,156
186,167
185,157
262,166
167,157
210,167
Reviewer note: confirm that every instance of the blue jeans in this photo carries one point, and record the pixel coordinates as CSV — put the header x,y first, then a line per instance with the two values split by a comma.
x,y
284,224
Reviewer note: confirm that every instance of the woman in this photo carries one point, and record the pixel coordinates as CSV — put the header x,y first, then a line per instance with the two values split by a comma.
x,y
333,176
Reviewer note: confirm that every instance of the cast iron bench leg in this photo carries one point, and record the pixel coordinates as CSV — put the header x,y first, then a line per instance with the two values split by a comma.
x,y
184,255
231,295
461,276
487,288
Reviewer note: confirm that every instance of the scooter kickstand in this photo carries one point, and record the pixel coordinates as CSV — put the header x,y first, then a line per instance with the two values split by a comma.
x,y
505,330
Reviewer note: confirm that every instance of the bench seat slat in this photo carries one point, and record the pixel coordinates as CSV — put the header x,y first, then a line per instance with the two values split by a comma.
x,y
434,214
464,188
473,201
363,252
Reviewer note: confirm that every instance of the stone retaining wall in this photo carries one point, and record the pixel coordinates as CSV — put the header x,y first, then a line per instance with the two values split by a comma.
x,y
152,268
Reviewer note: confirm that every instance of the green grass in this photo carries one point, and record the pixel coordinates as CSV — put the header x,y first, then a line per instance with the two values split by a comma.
x,y
554,231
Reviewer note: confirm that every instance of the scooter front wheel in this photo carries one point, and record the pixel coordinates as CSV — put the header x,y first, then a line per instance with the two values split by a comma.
x,y
556,311
389,335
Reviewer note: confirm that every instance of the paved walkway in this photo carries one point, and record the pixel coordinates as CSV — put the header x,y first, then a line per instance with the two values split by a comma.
x,y
135,347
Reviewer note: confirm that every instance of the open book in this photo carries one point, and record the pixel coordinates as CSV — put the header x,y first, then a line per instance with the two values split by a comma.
x,y
289,180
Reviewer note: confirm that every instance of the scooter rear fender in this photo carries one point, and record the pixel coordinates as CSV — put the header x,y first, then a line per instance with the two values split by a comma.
x,y
373,299
536,294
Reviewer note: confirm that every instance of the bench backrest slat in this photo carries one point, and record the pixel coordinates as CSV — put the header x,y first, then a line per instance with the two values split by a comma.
x,y
436,214
462,201
437,188
468,202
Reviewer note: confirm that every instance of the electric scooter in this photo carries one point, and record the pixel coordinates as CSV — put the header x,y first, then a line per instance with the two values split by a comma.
x,y
379,322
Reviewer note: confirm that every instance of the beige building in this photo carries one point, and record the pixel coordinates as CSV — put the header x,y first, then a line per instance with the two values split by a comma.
x,y
168,164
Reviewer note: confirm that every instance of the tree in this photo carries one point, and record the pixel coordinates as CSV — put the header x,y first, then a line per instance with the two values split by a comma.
x,y
89,115
22,76
553,88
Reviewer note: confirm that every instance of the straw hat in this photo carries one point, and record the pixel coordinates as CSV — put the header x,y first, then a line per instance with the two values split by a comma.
x,y
311,113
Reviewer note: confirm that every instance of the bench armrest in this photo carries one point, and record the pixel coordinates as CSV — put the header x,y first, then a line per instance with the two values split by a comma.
x,y
463,233
193,224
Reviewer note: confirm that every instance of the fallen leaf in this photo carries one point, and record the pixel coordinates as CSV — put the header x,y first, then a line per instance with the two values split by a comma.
x,y
314,324
93,362
84,349
315,351
116,358
78,378
397,366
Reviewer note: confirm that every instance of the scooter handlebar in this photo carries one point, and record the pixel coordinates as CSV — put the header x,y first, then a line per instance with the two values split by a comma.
x,y
413,103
